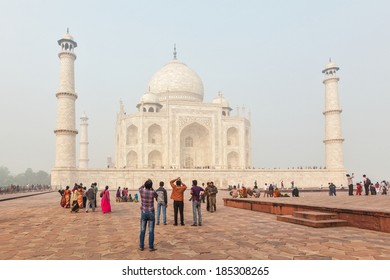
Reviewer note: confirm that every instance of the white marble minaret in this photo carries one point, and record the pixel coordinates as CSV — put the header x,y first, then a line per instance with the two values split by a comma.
x,y
83,161
333,136
66,96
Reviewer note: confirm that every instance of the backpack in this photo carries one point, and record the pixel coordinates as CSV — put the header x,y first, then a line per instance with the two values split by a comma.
x,y
160,197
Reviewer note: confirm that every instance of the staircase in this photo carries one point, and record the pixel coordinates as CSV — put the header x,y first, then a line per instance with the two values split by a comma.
x,y
313,219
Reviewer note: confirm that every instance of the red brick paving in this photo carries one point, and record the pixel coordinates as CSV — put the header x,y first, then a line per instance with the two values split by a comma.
x,y
37,228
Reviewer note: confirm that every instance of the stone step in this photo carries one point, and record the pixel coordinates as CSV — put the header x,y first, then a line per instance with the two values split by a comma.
x,y
312,223
312,215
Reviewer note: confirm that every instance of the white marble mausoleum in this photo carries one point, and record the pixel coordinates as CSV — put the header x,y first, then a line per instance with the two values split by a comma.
x,y
174,132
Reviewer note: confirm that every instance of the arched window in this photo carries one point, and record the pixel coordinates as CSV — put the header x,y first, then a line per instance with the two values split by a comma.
x,y
151,110
144,109
189,163
189,142
223,113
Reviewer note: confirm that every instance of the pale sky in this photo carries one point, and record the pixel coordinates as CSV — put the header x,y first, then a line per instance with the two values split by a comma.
x,y
264,55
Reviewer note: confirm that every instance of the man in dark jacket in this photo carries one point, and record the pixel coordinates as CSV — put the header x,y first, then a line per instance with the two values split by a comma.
x,y
367,183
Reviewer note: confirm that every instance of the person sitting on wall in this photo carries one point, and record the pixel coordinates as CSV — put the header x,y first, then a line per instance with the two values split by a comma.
x,y
243,192
256,191
234,192
277,192
295,192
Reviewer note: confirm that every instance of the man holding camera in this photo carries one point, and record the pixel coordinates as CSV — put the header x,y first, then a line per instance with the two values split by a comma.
x,y
147,213
350,184
177,195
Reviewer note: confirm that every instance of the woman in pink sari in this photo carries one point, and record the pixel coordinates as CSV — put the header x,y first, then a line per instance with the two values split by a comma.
x,y
105,201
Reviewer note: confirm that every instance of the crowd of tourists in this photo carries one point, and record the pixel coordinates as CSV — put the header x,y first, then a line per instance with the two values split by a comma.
x,y
82,198
148,195
124,195
27,188
367,186
269,190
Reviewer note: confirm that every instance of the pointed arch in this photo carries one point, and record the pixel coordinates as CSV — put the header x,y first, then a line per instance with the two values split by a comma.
x,y
195,146
132,135
232,137
155,134
233,160
132,159
155,159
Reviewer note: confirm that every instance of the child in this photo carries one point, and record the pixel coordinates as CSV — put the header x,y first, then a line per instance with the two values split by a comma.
x,y
359,189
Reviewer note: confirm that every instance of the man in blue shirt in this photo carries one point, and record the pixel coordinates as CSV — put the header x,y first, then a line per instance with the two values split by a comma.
x,y
147,214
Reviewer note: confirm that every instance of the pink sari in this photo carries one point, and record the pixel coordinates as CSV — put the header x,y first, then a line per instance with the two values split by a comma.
x,y
105,202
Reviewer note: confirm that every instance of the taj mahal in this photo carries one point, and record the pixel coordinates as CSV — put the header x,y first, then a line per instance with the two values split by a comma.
x,y
174,132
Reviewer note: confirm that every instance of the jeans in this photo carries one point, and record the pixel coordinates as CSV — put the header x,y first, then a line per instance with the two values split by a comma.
x,y
147,217
196,211
178,206
164,213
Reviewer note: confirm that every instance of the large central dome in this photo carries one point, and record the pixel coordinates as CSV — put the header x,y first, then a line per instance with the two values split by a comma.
x,y
176,81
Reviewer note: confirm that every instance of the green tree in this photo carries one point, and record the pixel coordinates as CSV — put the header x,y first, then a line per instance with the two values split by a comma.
x,y
5,176
42,177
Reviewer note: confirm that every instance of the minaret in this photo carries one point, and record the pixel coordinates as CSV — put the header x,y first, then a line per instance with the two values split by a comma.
x,y
83,161
66,96
333,137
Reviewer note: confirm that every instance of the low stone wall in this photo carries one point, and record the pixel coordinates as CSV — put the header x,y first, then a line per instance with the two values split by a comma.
x,y
132,179
373,220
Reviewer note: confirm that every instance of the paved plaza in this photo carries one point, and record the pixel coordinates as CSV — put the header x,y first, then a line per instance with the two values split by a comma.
x,y
37,228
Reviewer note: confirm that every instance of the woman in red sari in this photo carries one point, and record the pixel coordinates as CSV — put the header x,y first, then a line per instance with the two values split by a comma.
x,y
105,201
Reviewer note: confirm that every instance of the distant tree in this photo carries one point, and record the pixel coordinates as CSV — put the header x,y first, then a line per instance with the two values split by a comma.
x,y
29,177
42,177
5,176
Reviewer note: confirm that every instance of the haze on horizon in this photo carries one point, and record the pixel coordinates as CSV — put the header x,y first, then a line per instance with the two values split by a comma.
x,y
264,55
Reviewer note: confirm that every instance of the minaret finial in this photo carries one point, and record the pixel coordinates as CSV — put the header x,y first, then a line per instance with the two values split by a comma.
x,y
67,30
330,59
174,52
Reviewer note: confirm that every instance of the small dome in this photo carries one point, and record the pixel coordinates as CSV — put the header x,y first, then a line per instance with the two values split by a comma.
x,y
68,36
330,65
176,81
221,100
149,98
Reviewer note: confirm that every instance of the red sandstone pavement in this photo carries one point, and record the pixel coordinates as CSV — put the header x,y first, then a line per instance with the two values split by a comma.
x,y
37,228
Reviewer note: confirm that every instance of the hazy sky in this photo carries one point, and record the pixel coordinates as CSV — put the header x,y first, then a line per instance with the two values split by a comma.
x,y
264,55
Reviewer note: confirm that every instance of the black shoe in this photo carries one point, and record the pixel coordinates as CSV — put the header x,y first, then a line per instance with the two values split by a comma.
x,y
194,225
152,249
175,224
182,224
200,224
141,249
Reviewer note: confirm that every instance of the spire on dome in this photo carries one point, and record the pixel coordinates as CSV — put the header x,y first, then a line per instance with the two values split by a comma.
x,y
67,30
174,52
